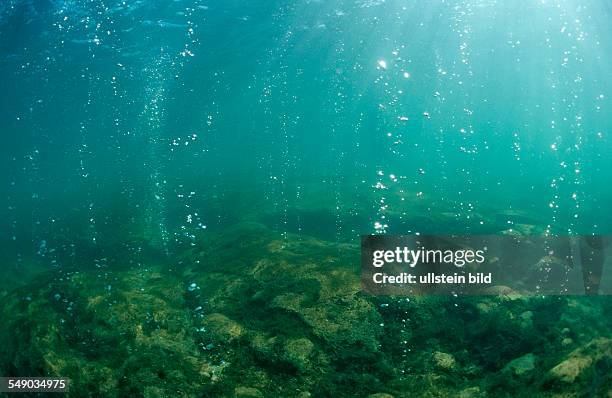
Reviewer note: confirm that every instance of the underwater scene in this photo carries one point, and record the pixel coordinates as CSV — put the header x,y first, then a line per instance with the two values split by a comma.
x,y
185,185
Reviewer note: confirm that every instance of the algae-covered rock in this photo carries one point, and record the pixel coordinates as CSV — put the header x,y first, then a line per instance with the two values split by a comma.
x,y
295,304
276,315
526,319
222,328
443,360
471,392
247,392
113,335
568,370
521,365
298,352
586,370
582,360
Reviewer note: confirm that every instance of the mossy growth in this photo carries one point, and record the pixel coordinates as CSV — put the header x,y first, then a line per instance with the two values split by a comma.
x,y
252,313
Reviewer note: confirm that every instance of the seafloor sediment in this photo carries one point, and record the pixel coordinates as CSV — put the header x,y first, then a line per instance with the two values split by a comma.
x,y
253,313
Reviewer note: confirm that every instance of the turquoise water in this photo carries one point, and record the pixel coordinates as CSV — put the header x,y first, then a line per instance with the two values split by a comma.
x,y
142,137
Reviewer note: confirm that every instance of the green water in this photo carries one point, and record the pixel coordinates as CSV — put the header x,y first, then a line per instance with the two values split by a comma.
x,y
243,148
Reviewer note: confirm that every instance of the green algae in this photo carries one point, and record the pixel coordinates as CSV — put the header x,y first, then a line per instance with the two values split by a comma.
x,y
274,315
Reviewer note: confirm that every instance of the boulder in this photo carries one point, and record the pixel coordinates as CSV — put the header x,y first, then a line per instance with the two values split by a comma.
x,y
444,361
521,365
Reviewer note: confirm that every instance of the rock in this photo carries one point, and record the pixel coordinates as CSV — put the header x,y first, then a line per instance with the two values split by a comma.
x,y
153,392
444,361
581,359
567,341
247,392
263,344
526,319
471,392
521,365
568,370
485,307
222,328
502,292
286,317
131,326
297,352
